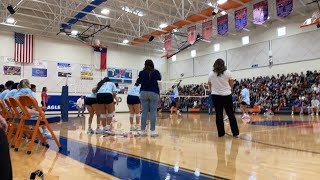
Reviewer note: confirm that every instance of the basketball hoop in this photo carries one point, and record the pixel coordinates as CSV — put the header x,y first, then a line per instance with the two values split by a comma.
x,y
314,20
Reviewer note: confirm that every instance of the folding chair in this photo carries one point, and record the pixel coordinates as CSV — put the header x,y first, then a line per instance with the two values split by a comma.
x,y
7,115
36,121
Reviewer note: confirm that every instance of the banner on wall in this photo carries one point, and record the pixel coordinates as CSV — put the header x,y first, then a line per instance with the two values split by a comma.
x,y
207,30
38,72
284,7
54,103
192,34
39,69
120,75
241,18
260,12
64,69
168,42
86,72
12,70
222,22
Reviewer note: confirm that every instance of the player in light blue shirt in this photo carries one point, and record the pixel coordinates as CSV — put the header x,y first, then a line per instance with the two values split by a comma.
x,y
8,85
245,101
105,97
133,101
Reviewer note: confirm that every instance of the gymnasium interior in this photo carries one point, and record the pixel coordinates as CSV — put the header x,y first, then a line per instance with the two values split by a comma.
x,y
64,48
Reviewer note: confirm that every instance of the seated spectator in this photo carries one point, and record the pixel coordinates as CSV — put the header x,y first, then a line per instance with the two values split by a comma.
x,y
306,104
296,104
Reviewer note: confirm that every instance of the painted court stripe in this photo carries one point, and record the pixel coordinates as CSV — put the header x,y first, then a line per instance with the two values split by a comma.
x,y
122,165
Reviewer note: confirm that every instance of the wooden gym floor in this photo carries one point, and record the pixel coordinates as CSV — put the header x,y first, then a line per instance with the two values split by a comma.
x,y
278,147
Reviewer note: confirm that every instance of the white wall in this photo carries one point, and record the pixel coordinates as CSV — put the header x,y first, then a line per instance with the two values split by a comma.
x,y
257,34
49,49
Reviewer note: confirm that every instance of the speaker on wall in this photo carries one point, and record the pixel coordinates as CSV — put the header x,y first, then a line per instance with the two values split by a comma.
x,y
151,38
11,9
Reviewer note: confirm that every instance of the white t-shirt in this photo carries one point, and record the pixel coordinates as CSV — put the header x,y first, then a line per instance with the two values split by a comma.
x,y
176,92
80,102
220,84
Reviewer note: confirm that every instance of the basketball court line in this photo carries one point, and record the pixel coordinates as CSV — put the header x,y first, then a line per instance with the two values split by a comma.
x,y
110,154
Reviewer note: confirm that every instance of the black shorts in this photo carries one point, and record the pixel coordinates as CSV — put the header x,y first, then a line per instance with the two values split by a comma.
x,y
104,98
89,101
244,103
131,100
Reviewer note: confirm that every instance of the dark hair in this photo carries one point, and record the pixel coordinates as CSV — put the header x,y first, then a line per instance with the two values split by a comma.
x,y
9,84
245,85
43,89
106,79
33,86
136,84
15,86
2,87
149,67
219,67
116,84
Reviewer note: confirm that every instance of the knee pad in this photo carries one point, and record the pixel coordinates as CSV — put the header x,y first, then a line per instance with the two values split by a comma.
x,y
131,115
138,115
110,115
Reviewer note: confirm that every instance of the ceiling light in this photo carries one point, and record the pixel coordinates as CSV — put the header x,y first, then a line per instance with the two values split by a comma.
x,y
125,41
74,32
268,17
163,25
223,13
132,11
10,20
221,1
163,49
105,11
174,58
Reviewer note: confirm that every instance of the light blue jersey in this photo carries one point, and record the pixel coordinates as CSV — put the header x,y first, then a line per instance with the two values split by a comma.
x,y
11,93
245,96
92,95
135,91
25,91
3,94
107,87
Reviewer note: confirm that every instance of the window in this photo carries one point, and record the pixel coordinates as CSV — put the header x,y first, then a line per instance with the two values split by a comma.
x,y
245,40
281,31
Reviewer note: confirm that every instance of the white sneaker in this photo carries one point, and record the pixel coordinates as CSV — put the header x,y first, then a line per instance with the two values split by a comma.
x,y
292,113
142,133
138,127
46,133
107,130
226,118
154,133
99,131
312,114
132,128
90,131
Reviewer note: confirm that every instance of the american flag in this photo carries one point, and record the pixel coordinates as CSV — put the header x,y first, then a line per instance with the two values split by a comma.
x,y
24,48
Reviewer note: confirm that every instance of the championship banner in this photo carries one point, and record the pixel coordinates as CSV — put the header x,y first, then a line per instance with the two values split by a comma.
x,y
192,34
222,22
241,18
260,12
284,7
168,42
207,29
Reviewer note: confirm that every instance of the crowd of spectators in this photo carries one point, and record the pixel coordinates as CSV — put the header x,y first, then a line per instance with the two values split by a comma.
x,y
270,93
